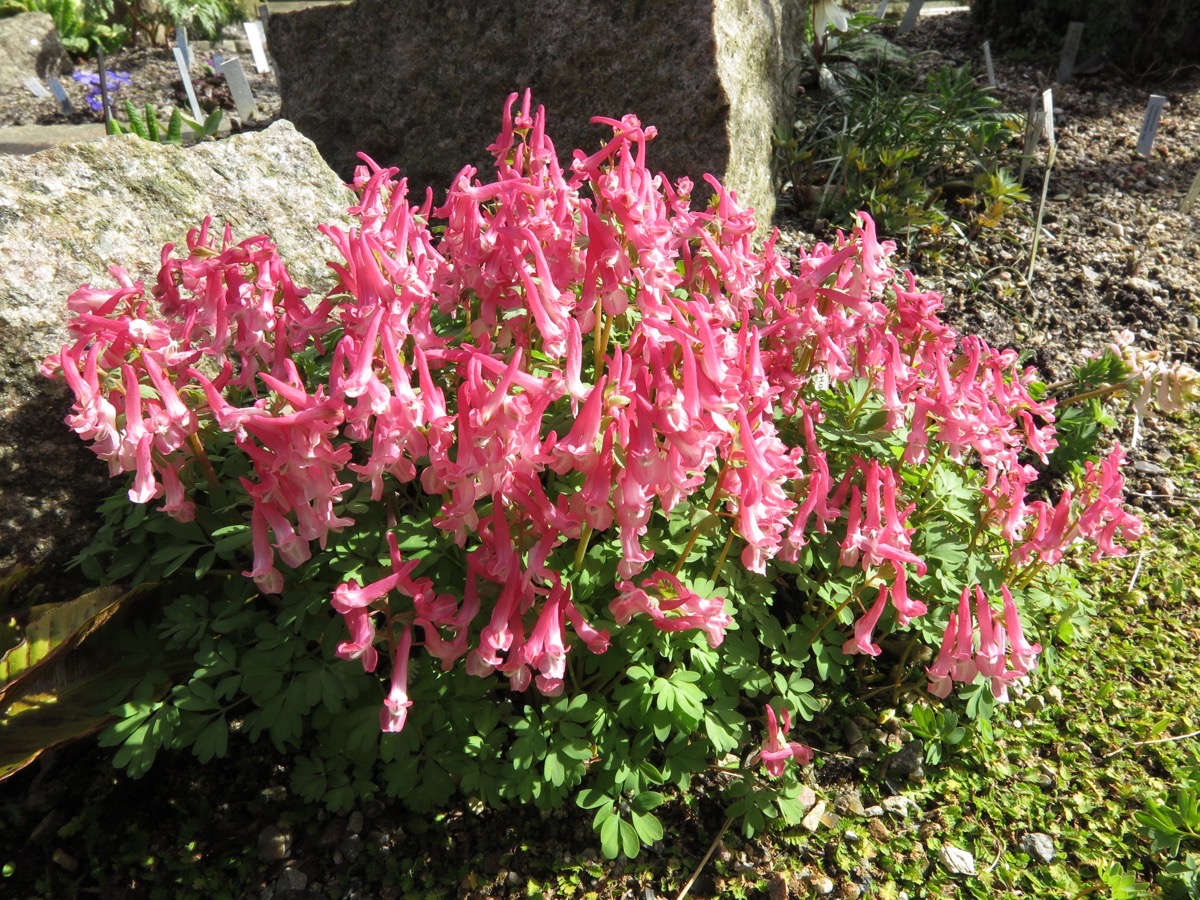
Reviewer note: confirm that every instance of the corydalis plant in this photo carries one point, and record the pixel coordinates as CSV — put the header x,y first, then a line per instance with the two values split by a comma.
x,y
578,360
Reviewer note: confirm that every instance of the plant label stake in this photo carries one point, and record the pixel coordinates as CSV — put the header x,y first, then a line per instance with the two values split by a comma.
x,y
182,41
103,75
1192,194
235,77
254,34
1150,123
263,12
35,87
1048,112
881,11
987,62
1066,62
60,94
187,85
1033,127
910,16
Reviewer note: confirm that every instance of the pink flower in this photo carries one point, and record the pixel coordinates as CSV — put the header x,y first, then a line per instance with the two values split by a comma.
x,y
1023,655
861,642
775,751
396,704
362,639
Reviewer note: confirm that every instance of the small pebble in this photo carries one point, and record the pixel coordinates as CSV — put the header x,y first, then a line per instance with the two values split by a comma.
x,y
897,805
822,885
812,821
274,844
957,861
1039,846
290,879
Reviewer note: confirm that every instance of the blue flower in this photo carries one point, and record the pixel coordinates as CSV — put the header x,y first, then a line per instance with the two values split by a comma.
x,y
114,82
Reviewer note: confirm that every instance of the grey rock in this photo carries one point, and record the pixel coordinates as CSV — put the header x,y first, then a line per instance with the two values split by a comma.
x,y
274,844
30,48
69,213
851,732
1039,846
1145,467
290,879
425,93
907,762
898,806
957,861
351,847
354,824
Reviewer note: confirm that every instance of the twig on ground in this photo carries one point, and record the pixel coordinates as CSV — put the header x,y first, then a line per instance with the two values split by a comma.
x,y
1137,570
1168,739
707,856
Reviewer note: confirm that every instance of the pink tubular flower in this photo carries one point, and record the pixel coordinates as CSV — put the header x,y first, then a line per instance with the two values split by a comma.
x,y
775,751
861,642
1002,654
396,704
362,639
673,608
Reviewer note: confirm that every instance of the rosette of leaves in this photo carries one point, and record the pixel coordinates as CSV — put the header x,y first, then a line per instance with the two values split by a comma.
x,y
145,125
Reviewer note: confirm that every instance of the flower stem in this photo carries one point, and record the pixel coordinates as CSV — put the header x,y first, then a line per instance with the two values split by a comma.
x,y
721,559
581,548
712,505
202,458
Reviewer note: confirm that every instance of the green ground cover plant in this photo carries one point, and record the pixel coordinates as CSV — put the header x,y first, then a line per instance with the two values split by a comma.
x,y
928,157
570,495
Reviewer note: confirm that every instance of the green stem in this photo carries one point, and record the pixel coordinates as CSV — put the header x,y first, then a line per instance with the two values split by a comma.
x,y
937,461
202,458
1105,391
716,572
712,505
581,548
812,638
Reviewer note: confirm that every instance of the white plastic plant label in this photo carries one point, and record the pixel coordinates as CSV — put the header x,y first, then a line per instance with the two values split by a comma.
x,y
1048,113
35,87
243,97
254,34
987,63
910,16
1150,123
187,85
182,41
60,94
1066,62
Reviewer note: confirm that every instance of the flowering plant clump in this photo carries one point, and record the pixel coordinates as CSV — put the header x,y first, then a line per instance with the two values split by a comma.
x,y
114,81
581,477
